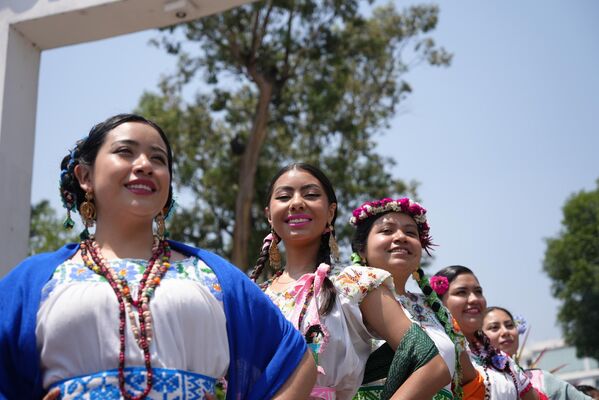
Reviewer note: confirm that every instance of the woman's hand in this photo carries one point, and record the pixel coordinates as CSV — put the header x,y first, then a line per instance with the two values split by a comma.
x,y
530,395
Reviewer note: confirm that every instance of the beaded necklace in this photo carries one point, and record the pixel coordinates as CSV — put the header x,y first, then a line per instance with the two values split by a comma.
x,y
484,352
93,259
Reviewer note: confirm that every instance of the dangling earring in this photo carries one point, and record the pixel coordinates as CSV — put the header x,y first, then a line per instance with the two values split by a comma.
x,y
87,209
274,257
333,247
68,223
160,225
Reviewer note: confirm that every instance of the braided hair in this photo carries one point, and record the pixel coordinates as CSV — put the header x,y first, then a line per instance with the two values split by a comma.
x,y
489,356
85,152
324,252
359,243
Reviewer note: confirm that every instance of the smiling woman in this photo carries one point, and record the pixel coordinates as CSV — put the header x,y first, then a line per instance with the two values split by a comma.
x,y
391,234
127,314
502,331
501,378
337,310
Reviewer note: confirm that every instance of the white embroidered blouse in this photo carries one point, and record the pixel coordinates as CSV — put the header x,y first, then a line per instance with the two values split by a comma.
x,y
78,327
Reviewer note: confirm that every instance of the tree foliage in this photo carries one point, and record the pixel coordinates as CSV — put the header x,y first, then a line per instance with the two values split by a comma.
x,y
283,81
572,262
46,232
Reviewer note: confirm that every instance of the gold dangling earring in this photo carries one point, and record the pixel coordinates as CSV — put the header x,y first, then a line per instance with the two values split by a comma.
x,y
274,257
87,210
333,247
160,225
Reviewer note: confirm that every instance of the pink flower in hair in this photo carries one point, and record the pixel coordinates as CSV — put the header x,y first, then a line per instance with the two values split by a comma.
x,y
440,284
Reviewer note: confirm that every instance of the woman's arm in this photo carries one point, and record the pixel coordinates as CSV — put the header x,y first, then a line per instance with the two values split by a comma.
x,y
386,317
425,382
300,383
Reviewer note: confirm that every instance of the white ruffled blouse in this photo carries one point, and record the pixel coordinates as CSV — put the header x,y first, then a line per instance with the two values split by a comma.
x,y
348,346
502,385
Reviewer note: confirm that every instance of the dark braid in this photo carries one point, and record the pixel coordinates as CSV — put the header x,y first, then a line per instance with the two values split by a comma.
x,y
262,258
487,353
445,320
328,289
71,193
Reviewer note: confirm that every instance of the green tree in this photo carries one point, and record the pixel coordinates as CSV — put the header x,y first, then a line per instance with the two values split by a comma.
x,y
572,262
46,232
287,80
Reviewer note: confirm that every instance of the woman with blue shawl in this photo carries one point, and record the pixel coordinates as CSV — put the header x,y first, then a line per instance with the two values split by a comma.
x,y
127,314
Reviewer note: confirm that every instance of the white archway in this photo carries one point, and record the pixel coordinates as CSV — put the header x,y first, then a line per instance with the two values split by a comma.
x,y
27,27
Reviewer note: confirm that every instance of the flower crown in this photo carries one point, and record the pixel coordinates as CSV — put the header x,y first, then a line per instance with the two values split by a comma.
x,y
403,205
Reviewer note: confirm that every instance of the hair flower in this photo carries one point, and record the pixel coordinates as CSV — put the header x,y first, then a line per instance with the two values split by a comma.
x,y
521,324
499,361
440,284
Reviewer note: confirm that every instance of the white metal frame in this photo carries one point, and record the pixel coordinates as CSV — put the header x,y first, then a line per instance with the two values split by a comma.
x,y
27,27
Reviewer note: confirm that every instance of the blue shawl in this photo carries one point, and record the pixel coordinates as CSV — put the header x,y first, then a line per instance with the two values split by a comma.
x,y
264,347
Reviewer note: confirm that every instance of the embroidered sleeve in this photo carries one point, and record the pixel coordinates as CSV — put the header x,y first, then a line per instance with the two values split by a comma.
x,y
355,282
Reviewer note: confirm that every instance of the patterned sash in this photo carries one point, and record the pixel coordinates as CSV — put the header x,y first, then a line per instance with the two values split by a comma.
x,y
169,384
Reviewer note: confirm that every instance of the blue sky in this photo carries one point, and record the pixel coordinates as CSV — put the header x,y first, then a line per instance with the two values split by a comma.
x,y
498,141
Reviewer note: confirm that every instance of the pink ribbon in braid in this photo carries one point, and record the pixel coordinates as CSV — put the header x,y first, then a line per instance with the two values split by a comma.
x,y
302,290
267,241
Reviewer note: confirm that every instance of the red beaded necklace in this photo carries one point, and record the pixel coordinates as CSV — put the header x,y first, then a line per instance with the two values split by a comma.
x,y
147,285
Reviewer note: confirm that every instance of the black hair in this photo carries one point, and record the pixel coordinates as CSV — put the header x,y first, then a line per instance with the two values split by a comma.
x,y
587,389
324,252
360,236
495,308
86,151
453,271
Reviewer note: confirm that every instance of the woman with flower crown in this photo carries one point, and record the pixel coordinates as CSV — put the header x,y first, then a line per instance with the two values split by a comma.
x,y
338,312
464,298
391,234
127,314
503,331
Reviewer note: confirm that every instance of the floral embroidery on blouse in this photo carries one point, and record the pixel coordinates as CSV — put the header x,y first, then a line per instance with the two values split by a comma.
x,y
418,310
191,268
355,282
